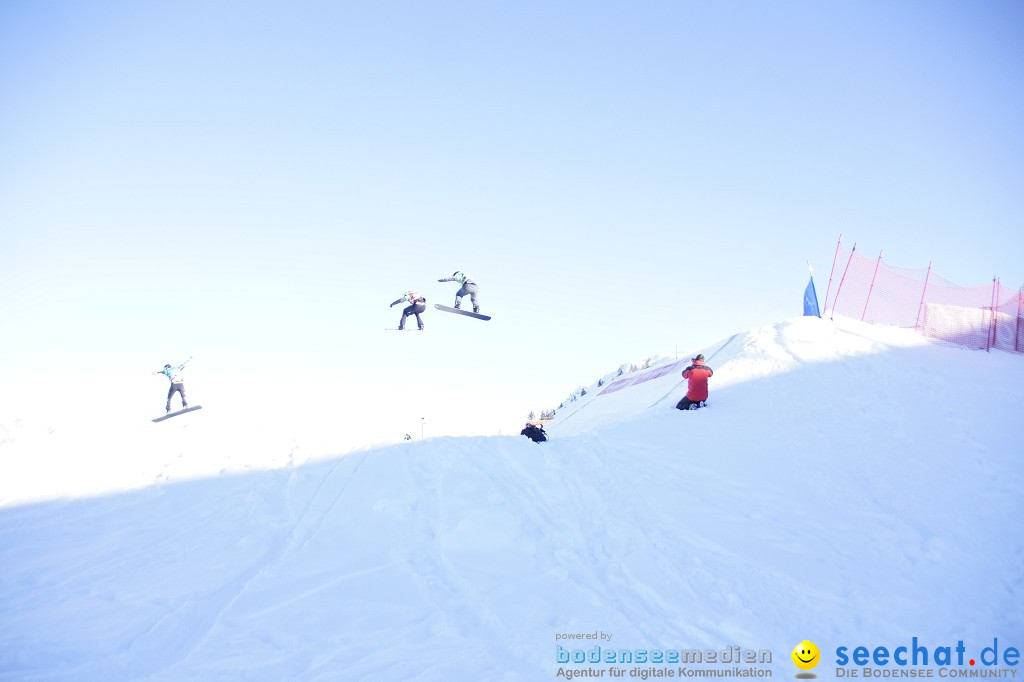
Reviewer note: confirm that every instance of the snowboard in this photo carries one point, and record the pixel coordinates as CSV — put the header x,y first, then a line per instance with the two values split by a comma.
x,y
175,414
459,311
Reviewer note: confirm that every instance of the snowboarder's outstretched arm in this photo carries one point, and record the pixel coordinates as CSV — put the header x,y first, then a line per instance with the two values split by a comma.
x,y
447,279
182,365
396,303
166,371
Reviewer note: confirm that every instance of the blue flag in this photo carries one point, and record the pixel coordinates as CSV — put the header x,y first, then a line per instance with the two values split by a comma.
x,y
811,300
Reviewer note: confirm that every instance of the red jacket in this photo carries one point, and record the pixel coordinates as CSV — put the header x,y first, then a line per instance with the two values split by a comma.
x,y
696,376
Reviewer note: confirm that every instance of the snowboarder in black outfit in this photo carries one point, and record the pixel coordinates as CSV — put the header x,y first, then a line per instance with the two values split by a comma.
x,y
534,432
418,305
468,288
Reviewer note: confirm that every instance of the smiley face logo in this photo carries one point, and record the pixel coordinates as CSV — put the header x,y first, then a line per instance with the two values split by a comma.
x,y
806,655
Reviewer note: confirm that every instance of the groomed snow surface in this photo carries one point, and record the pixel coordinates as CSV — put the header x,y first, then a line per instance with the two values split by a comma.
x,y
848,484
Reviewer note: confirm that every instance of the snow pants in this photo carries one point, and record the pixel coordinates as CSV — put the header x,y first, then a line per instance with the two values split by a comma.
x,y
414,309
687,404
468,289
180,389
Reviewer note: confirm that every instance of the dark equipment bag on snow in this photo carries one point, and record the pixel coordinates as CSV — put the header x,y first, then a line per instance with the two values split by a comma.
x,y
534,433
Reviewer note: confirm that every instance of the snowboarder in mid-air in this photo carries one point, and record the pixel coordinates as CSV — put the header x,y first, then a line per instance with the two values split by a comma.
x,y
534,432
468,288
177,383
696,376
418,305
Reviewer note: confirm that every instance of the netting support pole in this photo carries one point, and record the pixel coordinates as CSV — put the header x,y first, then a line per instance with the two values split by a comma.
x,y
924,291
991,339
827,290
872,287
841,280
1020,304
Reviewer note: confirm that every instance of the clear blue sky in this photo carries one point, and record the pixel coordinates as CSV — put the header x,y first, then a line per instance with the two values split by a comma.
x,y
254,182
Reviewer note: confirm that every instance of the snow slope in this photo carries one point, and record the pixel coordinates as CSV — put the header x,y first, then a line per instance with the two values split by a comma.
x,y
848,484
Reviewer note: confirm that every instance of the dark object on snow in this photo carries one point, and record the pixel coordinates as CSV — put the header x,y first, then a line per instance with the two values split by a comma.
x,y
534,432
687,404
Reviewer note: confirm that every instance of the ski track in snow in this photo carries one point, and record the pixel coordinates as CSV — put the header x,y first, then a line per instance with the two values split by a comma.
x,y
299,533
836,487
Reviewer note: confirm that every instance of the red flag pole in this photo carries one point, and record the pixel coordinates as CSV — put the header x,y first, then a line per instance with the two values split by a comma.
x,y
1020,304
991,340
838,244
872,287
842,279
917,322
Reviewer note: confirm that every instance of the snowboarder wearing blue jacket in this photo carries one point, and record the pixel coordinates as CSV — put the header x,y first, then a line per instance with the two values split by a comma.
x,y
419,304
468,288
173,373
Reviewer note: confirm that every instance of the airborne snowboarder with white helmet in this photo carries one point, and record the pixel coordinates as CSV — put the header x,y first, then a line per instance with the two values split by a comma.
x,y
468,288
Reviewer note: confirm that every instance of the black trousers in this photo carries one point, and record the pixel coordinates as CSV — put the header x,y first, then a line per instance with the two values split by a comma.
x,y
687,404
414,309
180,389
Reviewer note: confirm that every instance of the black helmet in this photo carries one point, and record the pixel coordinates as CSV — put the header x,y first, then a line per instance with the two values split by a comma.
x,y
455,273
167,366
700,356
